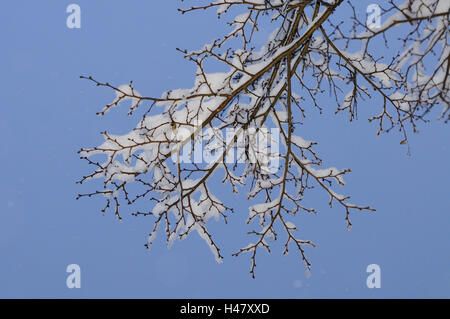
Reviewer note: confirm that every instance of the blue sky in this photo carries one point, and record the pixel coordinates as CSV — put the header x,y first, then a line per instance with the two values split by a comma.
x,y
48,113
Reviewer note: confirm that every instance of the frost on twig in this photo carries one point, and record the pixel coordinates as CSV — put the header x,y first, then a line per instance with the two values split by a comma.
x,y
306,57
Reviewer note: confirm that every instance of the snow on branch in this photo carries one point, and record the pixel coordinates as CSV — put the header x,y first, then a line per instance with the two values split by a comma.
x,y
243,122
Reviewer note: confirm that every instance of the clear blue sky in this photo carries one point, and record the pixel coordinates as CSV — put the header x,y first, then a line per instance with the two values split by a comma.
x,y
48,113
